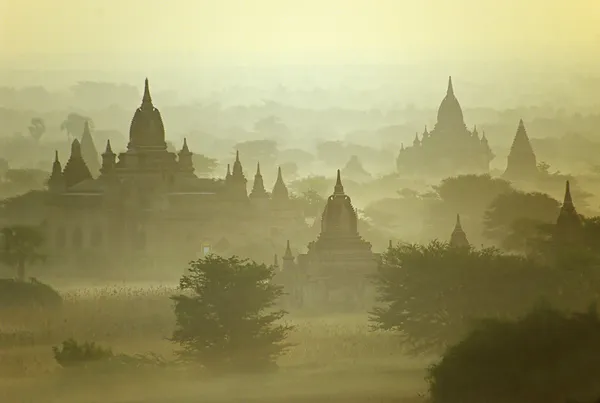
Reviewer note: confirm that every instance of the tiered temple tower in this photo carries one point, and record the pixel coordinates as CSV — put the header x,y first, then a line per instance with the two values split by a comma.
x,y
450,148
521,162
337,264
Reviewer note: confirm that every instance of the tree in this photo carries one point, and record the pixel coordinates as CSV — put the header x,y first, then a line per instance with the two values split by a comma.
x,y
203,164
37,128
310,202
508,208
226,316
430,294
545,356
263,151
73,125
20,246
320,184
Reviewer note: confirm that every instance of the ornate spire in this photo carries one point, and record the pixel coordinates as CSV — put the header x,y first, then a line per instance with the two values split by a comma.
x,y
416,141
450,90
108,150
390,247
568,207
228,175
185,148
258,187
76,170
288,252
275,261
521,161
56,181
339,188
147,98
108,160
458,237
569,222
280,190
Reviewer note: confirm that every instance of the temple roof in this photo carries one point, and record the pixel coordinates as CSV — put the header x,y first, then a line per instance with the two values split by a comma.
x,y
147,129
450,114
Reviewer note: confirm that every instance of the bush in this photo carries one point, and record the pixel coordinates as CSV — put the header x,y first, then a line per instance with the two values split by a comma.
x,y
32,293
545,356
226,316
431,294
71,353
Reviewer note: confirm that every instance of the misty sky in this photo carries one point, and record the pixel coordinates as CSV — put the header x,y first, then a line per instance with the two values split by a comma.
x,y
304,31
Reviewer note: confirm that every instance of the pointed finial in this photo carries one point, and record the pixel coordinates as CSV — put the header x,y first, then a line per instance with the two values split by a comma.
x,y
275,261
568,200
56,156
450,90
108,148
288,252
390,244
228,170
425,131
279,175
258,169
402,147
147,99
185,148
339,188
237,155
458,226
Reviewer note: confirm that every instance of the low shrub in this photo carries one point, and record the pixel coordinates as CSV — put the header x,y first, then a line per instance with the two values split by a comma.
x,y
546,356
23,294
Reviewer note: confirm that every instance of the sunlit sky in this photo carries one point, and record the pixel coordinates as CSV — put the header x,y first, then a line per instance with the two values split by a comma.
x,y
312,31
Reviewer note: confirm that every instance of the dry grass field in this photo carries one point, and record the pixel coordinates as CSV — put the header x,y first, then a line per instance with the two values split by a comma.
x,y
335,358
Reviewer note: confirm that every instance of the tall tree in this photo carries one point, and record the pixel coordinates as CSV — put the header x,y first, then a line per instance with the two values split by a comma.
x,y
226,315
37,128
73,125
21,245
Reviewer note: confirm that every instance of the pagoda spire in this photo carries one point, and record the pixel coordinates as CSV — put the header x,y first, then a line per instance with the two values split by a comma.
x,y
56,181
339,188
569,222
147,98
76,170
450,90
108,149
258,187
521,162
458,237
280,191
108,160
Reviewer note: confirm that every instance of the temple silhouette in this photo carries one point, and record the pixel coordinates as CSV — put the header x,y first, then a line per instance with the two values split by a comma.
x,y
450,148
147,203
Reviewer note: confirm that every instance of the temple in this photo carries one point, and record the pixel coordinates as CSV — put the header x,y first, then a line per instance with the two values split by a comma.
x,y
335,268
450,148
147,205
521,162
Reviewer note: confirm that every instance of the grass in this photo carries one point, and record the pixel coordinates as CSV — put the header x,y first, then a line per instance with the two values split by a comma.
x,y
331,353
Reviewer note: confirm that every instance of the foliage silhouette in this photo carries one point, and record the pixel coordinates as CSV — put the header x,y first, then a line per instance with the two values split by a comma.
x,y
21,245
432,293
24,294
546,356
226,316
508,208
